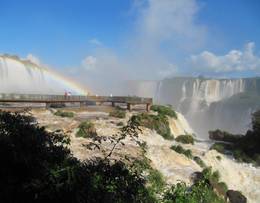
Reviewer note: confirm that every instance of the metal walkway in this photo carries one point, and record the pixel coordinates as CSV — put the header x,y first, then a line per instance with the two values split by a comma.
x,y
83,100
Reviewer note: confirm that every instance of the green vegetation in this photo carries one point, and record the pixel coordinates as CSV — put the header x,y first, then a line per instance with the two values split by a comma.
x,y
179,149
86,129
219,135
218,157
159,123
244,148
118,113
64,114
37,166
185,139
199,161
155,181
223,186
220,147
201,191
187,152
164,110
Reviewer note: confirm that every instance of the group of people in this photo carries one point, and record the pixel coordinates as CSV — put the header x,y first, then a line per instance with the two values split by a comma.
x,y
67,94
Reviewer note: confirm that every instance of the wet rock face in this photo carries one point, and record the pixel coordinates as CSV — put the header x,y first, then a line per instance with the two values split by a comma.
x,y
236,197
196,176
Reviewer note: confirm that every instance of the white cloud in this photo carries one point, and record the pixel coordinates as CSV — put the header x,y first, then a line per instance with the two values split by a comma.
x,y
173,21
89,63
95,41
233,61
33,59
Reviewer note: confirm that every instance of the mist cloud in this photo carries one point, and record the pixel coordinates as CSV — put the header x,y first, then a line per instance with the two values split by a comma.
x,y
170,23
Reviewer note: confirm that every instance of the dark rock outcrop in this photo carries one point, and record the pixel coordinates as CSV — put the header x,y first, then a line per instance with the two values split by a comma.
x,y
236,197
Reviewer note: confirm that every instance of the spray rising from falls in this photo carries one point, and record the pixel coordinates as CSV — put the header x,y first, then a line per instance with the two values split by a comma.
x,y
24,77
207,104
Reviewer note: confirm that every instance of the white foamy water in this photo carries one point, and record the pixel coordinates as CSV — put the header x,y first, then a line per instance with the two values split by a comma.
x,y
213,90
180,126
25,77
238,176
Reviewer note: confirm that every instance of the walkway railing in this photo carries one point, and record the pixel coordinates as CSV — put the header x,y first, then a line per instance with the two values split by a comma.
x,y
38,98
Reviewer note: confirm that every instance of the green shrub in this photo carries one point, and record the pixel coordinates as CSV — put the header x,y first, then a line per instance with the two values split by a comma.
x,y
219,135
86,129
223,186
156,182
38,166
164,110
219,147
185,139
199,192
199,161
179,149
158,123
213,177
64,114
240,156
117,113
218,157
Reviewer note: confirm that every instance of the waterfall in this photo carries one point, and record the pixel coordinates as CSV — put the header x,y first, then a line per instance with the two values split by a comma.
x,y
212,90
208,104
180,126
24,77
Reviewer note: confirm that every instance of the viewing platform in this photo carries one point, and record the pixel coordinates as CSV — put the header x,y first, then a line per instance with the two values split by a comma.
x,y
82,100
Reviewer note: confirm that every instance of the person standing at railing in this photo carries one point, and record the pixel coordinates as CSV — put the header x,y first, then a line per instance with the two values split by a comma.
x,y
69,94
66,94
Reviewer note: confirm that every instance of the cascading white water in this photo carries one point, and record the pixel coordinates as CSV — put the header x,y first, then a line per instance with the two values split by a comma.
x,y
25,77
211,90
216,90
203,101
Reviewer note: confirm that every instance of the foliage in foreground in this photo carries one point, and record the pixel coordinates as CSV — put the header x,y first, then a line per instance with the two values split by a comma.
x,y
64,114
185,139
159,123
37,166
86,130
244,148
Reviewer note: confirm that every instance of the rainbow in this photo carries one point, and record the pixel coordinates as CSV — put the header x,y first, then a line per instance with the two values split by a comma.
x,y
68,82
23,76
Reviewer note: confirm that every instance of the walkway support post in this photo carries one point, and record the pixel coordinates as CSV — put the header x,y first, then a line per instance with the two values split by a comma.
x,y
48,105
128,106
81,104
148,107
113,104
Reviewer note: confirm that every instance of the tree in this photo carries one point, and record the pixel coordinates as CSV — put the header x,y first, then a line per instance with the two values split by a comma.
x,y
37,166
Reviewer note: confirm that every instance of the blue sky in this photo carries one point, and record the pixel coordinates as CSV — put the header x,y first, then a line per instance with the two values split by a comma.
x,y
152,38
